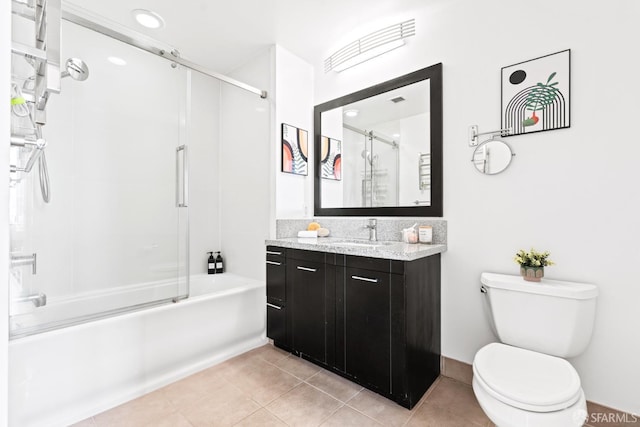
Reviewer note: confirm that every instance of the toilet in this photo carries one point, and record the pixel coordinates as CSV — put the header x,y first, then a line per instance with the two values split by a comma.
x,y
525,381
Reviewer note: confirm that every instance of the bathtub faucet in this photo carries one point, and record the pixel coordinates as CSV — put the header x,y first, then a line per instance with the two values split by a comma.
x,y
37,299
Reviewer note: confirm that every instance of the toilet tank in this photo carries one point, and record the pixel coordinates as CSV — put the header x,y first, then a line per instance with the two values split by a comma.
x,y
552,317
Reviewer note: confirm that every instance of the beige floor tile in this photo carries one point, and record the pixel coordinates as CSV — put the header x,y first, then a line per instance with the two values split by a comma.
x,y
429,415
457,398
148,408
304,406
338,387
184,392
239,363
298,367
263,382
225,407
261,418
379,408
173,420
271,353
349,417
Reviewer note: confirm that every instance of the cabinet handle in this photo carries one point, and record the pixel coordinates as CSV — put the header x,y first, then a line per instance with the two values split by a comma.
x,y
364,279
274,263
273,253
274,306
313,270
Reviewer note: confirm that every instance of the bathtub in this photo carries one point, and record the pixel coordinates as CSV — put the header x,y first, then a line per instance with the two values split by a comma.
x,y
66,375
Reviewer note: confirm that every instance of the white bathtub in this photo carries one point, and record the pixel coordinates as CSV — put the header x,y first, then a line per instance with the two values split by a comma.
x,y
60,377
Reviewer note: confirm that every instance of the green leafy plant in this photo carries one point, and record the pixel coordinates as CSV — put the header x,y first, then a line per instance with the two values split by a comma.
x,y
540,97
533,258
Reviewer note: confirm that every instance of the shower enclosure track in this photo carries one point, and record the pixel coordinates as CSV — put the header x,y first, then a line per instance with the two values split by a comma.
x,y
146,45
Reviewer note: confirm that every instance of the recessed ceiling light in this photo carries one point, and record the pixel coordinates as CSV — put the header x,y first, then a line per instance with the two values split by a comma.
x,y
148,19
351,113
117,61
396,135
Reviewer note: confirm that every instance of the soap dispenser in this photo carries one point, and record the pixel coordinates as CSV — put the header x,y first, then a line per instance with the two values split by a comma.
x,y
211,264
219,263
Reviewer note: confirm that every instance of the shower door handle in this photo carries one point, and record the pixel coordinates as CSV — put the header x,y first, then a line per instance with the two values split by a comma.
x,y
182,177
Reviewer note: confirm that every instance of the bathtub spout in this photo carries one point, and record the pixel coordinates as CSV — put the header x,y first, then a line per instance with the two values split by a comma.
x,y
38,300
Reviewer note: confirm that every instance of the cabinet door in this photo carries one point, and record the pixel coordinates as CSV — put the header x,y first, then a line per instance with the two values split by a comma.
x,y
367,327
306,286
276,274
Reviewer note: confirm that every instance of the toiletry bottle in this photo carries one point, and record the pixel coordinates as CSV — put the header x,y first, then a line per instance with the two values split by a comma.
x,y
219,263
211,264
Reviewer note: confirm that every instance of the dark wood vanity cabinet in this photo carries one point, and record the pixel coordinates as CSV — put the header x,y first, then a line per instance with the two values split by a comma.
x,y
374,321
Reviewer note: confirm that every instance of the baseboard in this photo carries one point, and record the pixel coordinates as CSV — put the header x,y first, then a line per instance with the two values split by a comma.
x,y
599,415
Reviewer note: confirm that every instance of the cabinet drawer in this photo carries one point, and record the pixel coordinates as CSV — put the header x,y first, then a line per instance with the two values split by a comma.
x,y
276,254
276,280
277,322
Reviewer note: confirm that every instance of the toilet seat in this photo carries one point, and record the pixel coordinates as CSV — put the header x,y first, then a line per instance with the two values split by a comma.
x,y
526,379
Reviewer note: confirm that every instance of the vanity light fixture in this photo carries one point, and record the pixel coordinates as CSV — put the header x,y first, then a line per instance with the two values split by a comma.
x,y
148,19
370,46
351,113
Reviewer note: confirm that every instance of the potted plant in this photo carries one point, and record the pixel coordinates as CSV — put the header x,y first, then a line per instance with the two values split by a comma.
x,y
532,264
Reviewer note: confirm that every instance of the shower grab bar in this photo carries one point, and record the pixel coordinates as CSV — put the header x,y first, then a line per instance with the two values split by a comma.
x,y
185,177
38,299
20,260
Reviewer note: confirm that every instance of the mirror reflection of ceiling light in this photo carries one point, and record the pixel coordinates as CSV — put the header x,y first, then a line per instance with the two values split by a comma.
x,y
117,61
396,135
370,46
351,113
148,19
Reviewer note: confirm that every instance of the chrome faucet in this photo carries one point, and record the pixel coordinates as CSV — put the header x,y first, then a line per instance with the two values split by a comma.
x,y
372,226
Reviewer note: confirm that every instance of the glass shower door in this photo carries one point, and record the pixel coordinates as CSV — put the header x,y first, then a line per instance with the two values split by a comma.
x,y
115,233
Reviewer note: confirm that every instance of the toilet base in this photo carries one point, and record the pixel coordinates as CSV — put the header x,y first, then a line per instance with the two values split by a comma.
x,y
504,415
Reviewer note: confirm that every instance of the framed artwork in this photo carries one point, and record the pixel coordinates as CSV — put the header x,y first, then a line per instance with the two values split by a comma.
x,y
331,160
294,150
536,94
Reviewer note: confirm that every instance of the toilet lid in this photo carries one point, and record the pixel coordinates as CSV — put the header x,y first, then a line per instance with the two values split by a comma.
x,y
526,379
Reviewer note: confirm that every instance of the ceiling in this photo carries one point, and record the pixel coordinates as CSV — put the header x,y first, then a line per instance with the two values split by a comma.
x,y
223,35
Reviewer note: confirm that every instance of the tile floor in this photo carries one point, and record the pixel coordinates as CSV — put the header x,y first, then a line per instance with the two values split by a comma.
x,y
269,387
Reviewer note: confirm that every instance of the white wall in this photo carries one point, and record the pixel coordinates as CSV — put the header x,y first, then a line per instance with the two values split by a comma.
x,y
204,189
571,191
246,170
5,77
293,106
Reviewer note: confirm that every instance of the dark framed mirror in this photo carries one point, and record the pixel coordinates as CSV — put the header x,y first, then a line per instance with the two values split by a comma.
x,y
378,151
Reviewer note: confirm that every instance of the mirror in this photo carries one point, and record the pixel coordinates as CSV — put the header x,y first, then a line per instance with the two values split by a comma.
x,y
378,151
492,156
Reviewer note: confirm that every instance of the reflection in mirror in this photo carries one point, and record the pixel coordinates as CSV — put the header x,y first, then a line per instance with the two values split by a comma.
x,y
375,149
492,156
385,150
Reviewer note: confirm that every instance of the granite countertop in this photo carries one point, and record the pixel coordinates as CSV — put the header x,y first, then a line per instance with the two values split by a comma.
x,y
387,250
